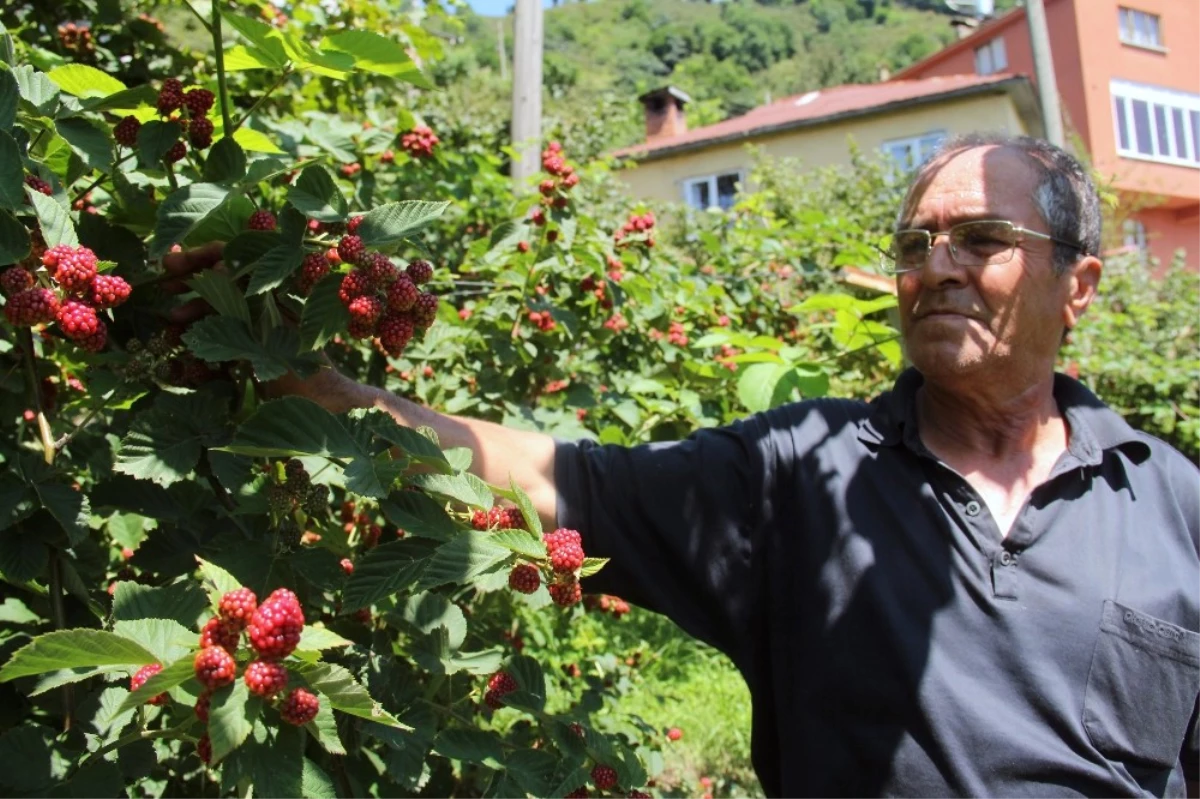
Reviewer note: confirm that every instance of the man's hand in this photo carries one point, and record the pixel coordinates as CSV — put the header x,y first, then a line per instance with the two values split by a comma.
x,y
181,267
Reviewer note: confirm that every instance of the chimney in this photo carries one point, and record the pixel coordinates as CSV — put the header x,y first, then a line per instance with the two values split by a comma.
x,y
964,26
665,118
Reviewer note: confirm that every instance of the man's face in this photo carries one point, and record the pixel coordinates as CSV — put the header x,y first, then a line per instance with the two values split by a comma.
x,y
994,321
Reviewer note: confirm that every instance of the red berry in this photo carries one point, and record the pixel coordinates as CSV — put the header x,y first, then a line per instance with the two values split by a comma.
x,y
674,734
126,131
546,187
139,679
77,320
577,729
176,153
215,667
347,566
237,607
499,685
379,269
395,331
96,341
37,184
198,101
16,279
522,246
402,294
420,271
524,578
355,284
364,315
425,310
512,519
204,749
74,268
170,96
565,549
200,132
538,217
351,248
300,707
261,220
314,267
552,236
604,777
276,626
218,632
352,224
565,593
108,291
202,706
265,678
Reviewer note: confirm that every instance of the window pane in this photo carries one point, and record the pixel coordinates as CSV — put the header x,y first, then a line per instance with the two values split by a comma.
x,y
1141,127
1195,118
1180,131
1124,22
698,195
999,56
1122,125
726,189
1155,37
1161,131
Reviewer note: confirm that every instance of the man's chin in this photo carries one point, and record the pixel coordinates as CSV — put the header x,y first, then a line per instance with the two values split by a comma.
x,y
945,362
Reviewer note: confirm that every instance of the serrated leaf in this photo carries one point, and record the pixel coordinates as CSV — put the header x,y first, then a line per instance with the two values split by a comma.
x,y
525,505
22,556
428,611
275,266
182,211
246,248
10,96
392,223
219,291
182,602
89,140
459,487
57,679
758,385
167,640
216,581
523,542
324,315
26,755
226,162
384,571
14,238
533,770
84,81
315,783
419,515
159,449
155,138
592,566
474,746
378,54
416,447
68,649
316,195
12,185
123,102
37,89
345,693
177,673
70,508
457,561
54,220
324,728
255,141
224,338
231,718
318,639
277,769
266,41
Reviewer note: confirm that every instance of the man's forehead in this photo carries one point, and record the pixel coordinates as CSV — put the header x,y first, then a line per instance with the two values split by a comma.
x,y
977,183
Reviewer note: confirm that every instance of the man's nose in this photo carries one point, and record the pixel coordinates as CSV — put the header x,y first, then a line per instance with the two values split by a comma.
x,y
940,266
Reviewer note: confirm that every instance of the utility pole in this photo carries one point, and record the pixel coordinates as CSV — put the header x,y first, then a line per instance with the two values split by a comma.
x,y
1043,70
500,44
527,88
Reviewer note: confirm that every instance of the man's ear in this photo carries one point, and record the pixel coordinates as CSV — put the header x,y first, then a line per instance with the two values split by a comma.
x,y
1082,281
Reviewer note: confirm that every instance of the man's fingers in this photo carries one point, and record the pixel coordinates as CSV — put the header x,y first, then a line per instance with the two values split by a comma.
x,y
185,263
189,312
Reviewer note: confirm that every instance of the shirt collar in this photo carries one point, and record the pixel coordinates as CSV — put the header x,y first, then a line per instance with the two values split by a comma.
x,y
1094,427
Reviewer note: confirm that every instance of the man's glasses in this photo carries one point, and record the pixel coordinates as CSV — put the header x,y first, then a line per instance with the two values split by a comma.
x,y
980,243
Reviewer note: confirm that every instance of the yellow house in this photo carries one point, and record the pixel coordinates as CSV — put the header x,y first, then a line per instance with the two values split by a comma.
x,y
904,119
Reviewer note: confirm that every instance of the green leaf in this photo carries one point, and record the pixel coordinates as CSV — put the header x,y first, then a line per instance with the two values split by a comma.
x,y
57,679
760,384
216,581
267,44
224,338
533,770
378,54
182,211
22,556
419,515
277,769
592,566
37,89
123,102
239,57
525,505
84,81
254,141
54,220
26,757
416,446
474,746
315,783
384,571
175,674
428,611
14,239
458,487
155,138
324,314
226,162
68,649
89,140
392,223
70,508
246,248
345,693
316,195
159,447
167,640
324,728
12,178
219,291
231,718
523,542
318,639
182,602
528,674
470,554
275,266
10,97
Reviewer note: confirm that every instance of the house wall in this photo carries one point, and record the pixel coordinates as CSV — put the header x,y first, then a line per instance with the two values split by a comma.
x,y
823,145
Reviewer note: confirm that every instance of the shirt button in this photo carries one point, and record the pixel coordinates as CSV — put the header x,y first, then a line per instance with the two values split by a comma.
x,y
1006,558
973,508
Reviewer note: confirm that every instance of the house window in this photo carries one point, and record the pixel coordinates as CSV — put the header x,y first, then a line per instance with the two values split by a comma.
x,y
1134,234
1156,124
1139,28
911,152
991,57
712,190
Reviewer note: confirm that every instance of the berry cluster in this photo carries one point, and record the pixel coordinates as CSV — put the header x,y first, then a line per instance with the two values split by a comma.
x,y
638,226
499,685
172,99
362,525
350,170
502,518
80,292
606,603
275,627
419,142
76,39
565,551
296,491
543,320
616,323
37,184
385,303
139,679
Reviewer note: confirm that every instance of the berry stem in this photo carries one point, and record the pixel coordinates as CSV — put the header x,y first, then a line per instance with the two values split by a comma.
x,y
103,176
219,54
60,623
66,437
26,338
178,731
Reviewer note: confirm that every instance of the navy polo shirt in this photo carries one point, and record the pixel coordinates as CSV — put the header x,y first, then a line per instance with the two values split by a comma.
x,y
892,642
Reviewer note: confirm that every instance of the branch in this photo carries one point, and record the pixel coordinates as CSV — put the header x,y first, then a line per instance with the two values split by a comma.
x,y
287,73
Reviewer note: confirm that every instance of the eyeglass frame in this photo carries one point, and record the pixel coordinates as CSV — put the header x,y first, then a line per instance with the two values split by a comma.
x,y
932,235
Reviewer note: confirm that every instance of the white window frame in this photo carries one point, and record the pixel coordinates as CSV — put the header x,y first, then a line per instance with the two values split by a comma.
x,y
1130,32
1180,153
920,147
711,180
1133,234
991,57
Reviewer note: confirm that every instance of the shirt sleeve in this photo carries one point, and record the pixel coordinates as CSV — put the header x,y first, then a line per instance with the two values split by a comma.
x,y
681,521
1190,756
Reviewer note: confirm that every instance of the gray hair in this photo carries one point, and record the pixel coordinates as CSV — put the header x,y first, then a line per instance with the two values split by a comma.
x,y
1065,194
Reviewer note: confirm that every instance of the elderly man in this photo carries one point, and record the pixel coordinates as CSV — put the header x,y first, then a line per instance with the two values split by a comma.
x,y
983,582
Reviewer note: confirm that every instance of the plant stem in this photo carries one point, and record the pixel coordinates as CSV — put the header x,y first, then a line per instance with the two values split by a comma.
x,y
287,73
60,622
25,336
132,738
103,176
171,176
219,54
66,439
